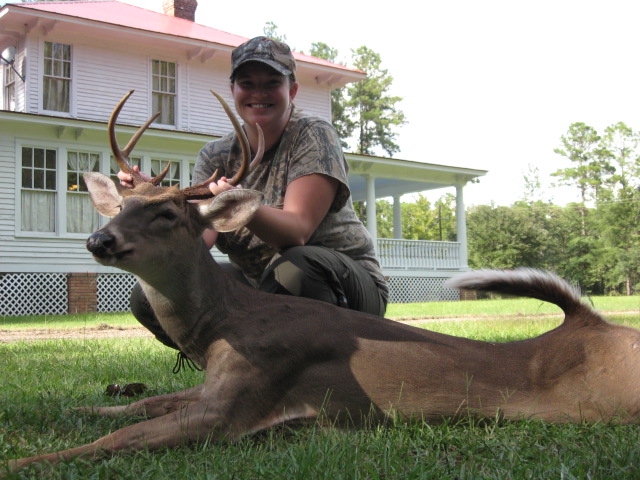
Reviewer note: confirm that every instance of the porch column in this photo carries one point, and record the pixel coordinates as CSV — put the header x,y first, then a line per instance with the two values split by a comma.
x,y
372,223
397,217
461,227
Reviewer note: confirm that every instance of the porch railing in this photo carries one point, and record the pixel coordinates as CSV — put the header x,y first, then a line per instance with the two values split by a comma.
x,y
399,254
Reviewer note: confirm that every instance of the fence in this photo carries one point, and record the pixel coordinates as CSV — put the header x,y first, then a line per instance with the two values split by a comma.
x,y
397,254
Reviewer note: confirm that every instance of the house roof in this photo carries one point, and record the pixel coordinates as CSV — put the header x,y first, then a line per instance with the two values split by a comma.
x,y
114,13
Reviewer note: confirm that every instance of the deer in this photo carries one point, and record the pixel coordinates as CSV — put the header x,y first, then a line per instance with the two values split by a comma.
x,y
271,359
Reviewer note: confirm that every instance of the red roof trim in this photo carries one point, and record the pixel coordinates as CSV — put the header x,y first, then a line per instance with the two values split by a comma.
x,y
131,16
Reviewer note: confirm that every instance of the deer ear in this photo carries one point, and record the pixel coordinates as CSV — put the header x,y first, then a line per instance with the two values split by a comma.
x,y
232,209
104,193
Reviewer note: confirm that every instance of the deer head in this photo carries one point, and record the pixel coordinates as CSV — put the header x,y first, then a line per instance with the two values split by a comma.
x,y
149,212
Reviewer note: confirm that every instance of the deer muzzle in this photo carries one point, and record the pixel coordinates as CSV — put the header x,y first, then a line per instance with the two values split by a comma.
x,y
101,244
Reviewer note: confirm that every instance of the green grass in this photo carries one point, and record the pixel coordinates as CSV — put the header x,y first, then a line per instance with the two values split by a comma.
x,y
476,308
511,306
42,380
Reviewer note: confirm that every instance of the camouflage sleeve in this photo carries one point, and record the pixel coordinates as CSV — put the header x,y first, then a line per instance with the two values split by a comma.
x,y
317,149
214,155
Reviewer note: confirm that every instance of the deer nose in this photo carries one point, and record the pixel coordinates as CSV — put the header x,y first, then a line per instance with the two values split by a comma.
x,y
99,243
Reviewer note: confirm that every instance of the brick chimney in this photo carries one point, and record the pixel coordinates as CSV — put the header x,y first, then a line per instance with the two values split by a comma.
x,y
180,8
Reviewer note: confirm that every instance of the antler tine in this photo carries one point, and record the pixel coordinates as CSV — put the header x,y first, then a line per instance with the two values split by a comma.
x,y
201,191
122,155
245,168
158,179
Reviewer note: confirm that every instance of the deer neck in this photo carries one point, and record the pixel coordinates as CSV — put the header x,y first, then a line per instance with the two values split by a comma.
x,y
187,295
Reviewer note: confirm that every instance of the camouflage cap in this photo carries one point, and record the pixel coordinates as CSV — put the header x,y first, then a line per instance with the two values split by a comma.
x,y
262,49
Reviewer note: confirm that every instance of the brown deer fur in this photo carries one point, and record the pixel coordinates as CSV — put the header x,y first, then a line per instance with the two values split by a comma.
x,y
271,358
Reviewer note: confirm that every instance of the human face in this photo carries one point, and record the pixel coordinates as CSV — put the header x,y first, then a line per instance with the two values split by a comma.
x,y
263,96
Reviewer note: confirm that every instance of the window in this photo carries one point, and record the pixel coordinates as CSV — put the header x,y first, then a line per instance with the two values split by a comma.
x,y
82,217
54,198
38,193
56,82
163,79
172,177
114,168
9,88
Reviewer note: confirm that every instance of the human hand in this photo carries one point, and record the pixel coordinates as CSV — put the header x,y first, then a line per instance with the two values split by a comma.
x,y
221,185
126,179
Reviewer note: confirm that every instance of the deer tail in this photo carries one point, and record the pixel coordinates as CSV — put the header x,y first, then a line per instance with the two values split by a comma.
x,y
529,282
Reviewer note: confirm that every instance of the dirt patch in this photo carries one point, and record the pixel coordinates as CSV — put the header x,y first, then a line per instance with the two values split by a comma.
x,y
109,331
101,331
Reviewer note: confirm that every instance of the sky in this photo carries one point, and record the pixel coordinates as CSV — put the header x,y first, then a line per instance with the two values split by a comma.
x,y
489,85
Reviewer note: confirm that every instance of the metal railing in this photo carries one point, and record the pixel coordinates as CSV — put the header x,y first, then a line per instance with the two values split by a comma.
x,y
399,254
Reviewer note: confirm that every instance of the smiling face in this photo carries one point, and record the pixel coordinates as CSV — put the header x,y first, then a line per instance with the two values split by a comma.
x,y
263,96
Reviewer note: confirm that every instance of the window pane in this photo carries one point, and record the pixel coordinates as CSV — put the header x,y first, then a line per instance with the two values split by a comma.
x,y
38,158
39,184
38,179
51,180
172,178
27,157
56,82
114,168
27,178
51,159
38,211
82,217
55,94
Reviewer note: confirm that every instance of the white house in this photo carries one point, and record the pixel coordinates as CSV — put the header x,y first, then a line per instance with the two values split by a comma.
x,y
67,64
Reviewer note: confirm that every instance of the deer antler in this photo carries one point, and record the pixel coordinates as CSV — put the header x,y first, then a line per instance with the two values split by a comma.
x,y
122,155
196,192
201,191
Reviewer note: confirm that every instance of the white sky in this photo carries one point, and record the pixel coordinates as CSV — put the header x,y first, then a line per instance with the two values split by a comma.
x,y
487,84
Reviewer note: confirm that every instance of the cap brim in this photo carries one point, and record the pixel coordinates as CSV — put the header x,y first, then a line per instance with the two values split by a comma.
x,y
271,63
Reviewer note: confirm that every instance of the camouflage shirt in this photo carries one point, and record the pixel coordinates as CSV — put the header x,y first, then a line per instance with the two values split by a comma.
x,y
309,145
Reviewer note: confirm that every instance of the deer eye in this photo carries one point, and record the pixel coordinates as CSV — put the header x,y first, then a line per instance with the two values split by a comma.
x,y
167,215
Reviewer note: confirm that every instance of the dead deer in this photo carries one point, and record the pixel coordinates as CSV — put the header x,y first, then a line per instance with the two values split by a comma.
x,y
271,359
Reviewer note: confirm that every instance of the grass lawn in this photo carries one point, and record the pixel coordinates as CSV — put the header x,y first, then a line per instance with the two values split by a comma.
x,y
43,379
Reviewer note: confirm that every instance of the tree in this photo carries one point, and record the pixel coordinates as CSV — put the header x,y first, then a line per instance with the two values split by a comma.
x,y
419,220
270,30
621,146
582,147
532,185
370,106
339,115
620,215
506,237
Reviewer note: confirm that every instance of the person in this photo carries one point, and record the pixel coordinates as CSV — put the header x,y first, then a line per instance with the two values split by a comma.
x,y
306,238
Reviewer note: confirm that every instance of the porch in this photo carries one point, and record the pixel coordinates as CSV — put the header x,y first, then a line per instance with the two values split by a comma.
x,y
416,269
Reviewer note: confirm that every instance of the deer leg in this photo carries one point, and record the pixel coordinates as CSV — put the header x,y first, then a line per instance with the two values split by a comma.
x,y
227,409
149,407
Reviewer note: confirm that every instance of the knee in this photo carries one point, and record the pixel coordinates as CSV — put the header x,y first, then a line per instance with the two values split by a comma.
x,y
138,301
300,271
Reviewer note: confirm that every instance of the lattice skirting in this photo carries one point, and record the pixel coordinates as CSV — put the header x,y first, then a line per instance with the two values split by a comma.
x,y
420,289
114,290
46,293
33,294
